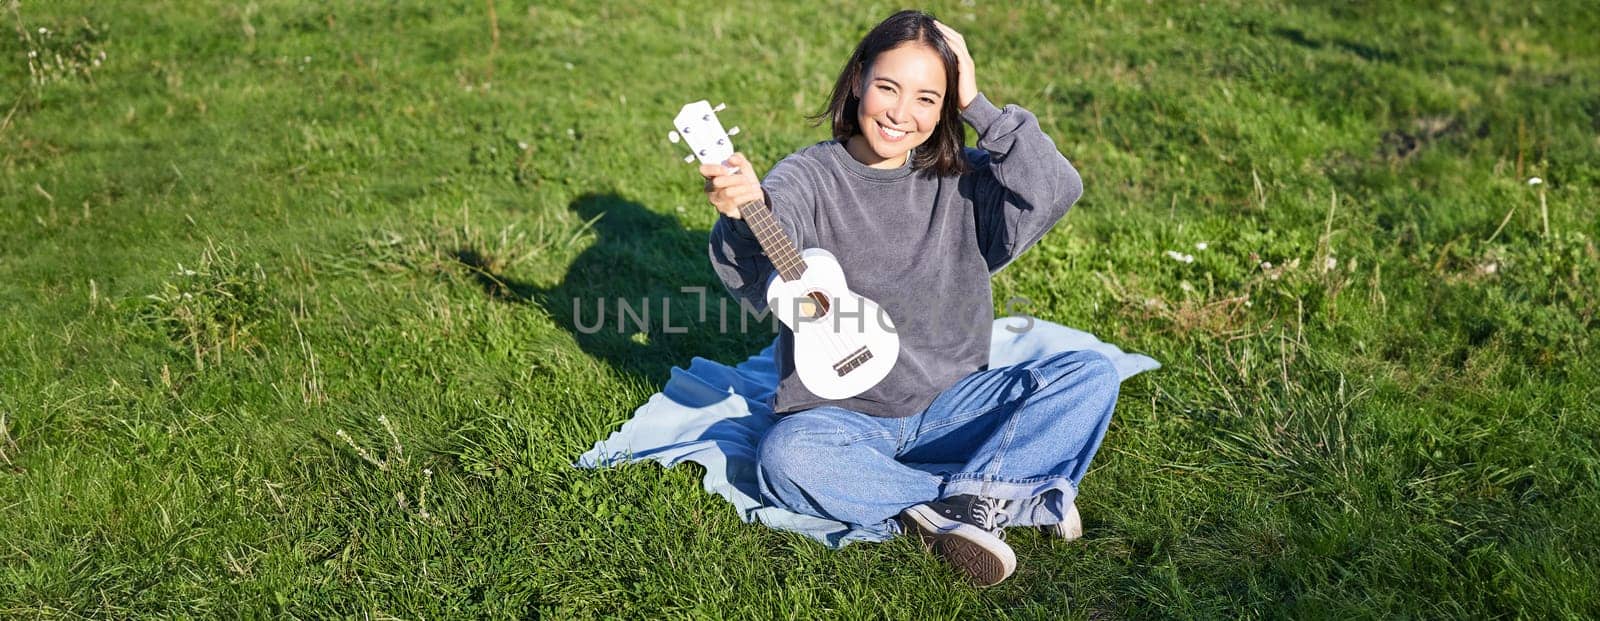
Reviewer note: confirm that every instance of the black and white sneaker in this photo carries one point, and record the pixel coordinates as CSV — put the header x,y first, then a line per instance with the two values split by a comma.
x,y
966,532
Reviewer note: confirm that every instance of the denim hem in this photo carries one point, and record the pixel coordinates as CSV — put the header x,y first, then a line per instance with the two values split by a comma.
x,y
1035,501
1021,489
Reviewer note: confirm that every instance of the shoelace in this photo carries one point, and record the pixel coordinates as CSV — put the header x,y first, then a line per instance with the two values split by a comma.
x,y
991,514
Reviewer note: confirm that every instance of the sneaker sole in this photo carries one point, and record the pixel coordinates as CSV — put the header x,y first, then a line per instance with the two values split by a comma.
x,y
983,557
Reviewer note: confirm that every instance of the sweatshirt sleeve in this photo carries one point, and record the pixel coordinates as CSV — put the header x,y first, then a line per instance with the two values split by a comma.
x,y
1022,184
736,254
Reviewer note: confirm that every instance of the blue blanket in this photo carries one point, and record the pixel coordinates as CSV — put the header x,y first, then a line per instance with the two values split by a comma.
x,y
714,415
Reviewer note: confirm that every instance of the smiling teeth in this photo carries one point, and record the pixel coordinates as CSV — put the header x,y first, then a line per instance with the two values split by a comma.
x,y
892,133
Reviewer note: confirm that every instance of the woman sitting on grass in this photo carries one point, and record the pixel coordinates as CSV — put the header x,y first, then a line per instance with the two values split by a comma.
x,y
919,224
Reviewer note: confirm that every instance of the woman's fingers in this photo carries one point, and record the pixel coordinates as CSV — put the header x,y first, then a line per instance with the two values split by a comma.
x,y
956,41
719,176
968,88
737,160
746,169
727,191
733,198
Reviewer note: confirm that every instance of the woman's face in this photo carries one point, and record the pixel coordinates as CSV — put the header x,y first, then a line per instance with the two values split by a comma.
x,y
901,96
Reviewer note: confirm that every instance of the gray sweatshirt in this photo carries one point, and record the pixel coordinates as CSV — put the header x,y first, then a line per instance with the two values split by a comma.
x,y
922,247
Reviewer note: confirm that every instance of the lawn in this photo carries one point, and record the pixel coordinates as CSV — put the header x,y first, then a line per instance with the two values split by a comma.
x,y
290,325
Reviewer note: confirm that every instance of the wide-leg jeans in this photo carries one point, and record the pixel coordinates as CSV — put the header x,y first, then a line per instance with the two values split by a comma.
x,y
1024,433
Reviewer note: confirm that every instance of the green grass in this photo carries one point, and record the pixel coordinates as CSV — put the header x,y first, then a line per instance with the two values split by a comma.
x,y
250,227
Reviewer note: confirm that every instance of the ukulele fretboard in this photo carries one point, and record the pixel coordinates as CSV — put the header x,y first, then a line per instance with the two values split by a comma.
x,y
779,248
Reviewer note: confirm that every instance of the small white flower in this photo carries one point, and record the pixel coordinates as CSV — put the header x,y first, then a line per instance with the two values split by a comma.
x,y
1535,181
33,54
522,145
571,134
306,59
569,66
1180,257
1201,246
1266,265
44,31
1330,264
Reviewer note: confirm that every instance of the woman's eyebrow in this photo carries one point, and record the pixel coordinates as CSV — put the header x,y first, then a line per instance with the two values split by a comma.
x,y
897,85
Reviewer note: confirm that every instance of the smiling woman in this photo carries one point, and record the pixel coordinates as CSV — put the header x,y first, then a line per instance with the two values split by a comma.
x,y
895,95
1393,417
919,223
899,107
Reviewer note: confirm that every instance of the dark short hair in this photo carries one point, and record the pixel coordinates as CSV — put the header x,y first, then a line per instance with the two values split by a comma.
x,y
942,154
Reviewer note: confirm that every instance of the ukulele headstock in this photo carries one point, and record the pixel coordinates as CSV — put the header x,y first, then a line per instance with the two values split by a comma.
x,y
698,127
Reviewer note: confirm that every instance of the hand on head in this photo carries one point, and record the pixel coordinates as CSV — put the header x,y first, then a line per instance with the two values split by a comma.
x,y
968,81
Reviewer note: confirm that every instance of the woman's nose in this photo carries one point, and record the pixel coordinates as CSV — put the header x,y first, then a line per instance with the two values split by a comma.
x,y
897,112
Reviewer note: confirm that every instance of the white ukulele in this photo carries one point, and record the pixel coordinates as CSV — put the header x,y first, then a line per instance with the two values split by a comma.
x,y
843,343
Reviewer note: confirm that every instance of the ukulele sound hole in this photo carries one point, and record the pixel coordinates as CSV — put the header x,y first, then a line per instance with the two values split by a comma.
x,y
814,305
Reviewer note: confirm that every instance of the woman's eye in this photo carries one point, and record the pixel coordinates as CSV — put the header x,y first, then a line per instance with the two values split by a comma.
x,y
927,101
885,89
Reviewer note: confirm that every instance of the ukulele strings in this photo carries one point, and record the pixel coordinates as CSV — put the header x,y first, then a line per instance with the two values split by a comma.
x,y
829,338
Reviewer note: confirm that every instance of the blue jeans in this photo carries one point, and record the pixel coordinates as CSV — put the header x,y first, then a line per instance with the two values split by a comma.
x,y
1023,433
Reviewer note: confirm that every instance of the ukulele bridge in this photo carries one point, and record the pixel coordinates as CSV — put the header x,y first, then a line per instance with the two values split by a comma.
x,y
852,361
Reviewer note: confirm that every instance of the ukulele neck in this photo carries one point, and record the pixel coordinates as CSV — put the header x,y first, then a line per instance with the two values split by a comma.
x,y
779,248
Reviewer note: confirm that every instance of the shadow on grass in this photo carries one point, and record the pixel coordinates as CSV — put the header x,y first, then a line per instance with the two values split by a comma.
x,y
1366,52
623,298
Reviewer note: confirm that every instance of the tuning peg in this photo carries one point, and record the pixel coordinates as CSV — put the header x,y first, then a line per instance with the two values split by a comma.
x,y
688,159
733,132
720,107
672,137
